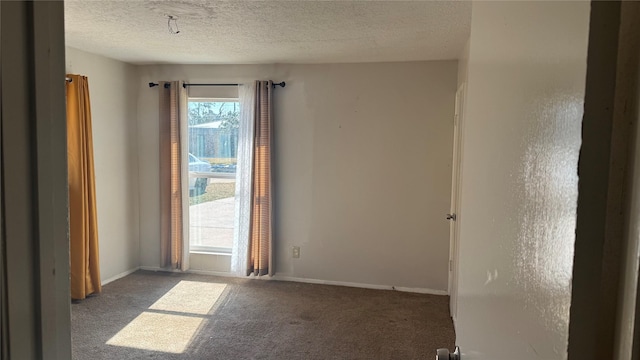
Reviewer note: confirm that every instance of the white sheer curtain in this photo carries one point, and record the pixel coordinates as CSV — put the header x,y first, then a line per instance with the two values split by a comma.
x,y
244,175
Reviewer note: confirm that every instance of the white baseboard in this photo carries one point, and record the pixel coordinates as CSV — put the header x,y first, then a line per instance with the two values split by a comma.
x,y
119,276
308,281
360,285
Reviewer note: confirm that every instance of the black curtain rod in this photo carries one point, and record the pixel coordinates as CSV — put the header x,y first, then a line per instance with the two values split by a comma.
x,y
167,85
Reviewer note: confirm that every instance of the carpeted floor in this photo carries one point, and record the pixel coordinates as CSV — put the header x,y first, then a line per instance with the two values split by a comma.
x,y
150,315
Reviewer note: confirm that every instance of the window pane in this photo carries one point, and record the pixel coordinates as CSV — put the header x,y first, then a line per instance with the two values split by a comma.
x,y
213,147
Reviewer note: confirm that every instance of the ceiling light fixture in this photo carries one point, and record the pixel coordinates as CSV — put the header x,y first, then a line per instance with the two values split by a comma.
x,y
173,28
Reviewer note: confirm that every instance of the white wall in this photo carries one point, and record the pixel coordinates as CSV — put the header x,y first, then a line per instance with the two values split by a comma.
x,y
113,91
526,80
463,64
363,177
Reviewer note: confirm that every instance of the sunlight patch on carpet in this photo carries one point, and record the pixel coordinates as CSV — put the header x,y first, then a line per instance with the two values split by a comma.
x,y
190,297
158,332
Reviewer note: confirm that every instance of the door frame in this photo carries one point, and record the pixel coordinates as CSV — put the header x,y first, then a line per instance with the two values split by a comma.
x,y
456,181
606,219
35,297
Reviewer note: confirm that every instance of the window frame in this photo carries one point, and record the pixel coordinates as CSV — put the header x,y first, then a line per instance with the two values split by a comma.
x,y
203,249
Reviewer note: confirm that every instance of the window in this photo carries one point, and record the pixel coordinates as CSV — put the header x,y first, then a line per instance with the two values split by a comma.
x,y
213,147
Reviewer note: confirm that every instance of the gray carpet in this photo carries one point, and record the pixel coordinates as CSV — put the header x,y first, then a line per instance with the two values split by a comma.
x,y
141,317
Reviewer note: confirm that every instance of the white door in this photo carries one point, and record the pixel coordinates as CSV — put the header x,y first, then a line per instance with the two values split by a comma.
x,y
453,215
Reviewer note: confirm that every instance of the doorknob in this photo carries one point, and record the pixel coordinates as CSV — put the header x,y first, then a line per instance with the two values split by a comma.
x,y
451,217
444,354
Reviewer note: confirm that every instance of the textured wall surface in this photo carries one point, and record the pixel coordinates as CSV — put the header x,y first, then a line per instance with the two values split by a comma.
x,y
243,32
526,79
362,167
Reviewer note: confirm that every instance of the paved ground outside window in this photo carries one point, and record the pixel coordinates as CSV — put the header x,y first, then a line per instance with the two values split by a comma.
x,y
211,223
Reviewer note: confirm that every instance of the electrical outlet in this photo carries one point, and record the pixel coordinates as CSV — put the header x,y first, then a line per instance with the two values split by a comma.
x,y
296,252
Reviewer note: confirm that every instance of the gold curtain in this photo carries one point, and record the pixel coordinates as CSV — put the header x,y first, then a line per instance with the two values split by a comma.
x,y
83,221
261,231
173,103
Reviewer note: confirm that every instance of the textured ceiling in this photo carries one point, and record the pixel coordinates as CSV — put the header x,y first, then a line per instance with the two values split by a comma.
x,y
245,32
